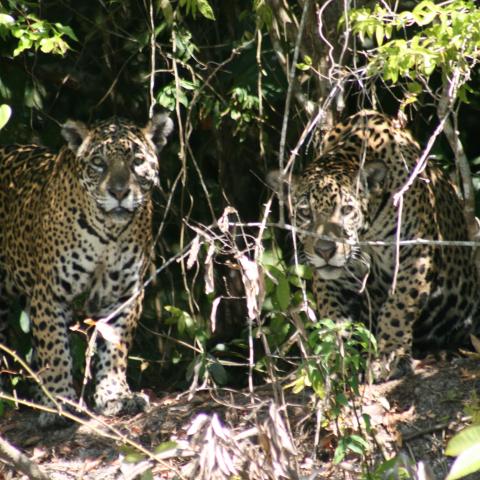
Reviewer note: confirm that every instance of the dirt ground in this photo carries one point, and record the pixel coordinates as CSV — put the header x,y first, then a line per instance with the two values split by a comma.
x,y
223,434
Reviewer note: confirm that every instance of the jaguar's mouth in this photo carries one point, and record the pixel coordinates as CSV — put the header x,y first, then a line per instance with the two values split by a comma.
x,y
120,214
328,272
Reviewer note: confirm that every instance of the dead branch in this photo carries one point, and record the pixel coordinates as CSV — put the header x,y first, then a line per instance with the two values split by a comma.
x,y
426,431
377,243
20,461
445,112
286,114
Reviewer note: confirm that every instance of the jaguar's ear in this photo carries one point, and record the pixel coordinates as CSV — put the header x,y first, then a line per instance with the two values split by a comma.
x,y
158,129
373,176
74,133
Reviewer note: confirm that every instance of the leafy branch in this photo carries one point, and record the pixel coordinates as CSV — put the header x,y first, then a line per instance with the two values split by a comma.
x,y
35,33
431,36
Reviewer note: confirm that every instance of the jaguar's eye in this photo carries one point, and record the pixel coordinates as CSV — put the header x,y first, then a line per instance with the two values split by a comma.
x,y
346,210
138,160
97,163
303,210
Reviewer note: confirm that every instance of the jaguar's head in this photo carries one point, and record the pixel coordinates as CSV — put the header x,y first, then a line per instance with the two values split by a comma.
x,y
117,161
330,211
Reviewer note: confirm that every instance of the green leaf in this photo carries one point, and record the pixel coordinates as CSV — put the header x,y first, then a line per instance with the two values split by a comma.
x,y
303,67
340,452
131,455
47,44
173,310
462,93
66,30
282,293
359,440
272,256
166,7
388,31
302,271
218,372
5,114
356,448
307,60
295,281
306,64
165,446
414,87
6,19
188,85
205,9
279,329
466,463
24,43
467,438
147,475
379,34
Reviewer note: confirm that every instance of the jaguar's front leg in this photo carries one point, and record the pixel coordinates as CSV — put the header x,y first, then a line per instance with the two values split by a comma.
x,y
397,316
49,317
394,335
112,394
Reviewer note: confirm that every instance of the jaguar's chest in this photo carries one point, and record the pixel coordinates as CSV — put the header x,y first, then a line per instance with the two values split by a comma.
x,y
102,278
103,264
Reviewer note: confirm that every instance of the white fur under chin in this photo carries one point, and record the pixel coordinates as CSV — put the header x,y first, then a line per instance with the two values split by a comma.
x,y
329,273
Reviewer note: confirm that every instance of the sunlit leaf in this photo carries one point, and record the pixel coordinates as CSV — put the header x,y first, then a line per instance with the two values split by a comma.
x,y
5,114
47,45
466,463
205,9
467,438
165,446
66,30
6,19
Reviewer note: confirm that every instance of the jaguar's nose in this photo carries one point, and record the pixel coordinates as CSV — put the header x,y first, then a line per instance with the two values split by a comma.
x,y
119,191
325,249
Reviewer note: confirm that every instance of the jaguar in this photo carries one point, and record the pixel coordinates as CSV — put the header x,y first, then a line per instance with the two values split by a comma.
x,y
76,226
350,205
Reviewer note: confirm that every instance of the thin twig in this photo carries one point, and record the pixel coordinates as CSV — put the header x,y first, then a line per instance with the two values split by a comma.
x,y
377,243
398,234
425,431
30,372
288,100
152,60
114,434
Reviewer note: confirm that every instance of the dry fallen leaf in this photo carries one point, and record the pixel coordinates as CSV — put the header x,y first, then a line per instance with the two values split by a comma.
x,y
213,314
193,252
209,282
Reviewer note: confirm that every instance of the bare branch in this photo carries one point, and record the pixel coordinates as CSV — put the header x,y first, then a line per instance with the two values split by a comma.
x,y
291,80
20,461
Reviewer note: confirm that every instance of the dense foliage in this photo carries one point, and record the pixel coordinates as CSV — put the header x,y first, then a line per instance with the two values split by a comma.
x,y
242,80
